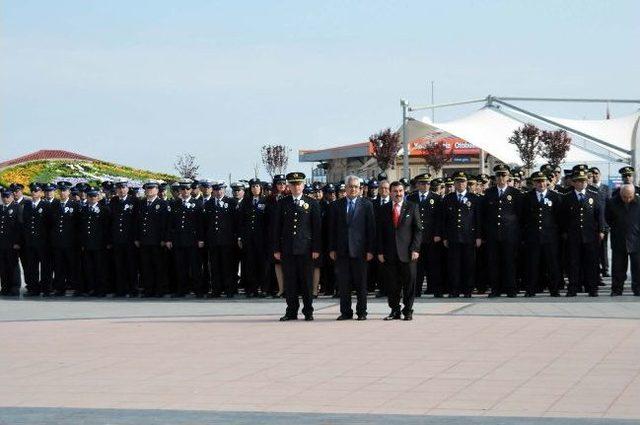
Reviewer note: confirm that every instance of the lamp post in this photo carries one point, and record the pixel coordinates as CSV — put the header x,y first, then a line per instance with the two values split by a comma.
x,y
405,143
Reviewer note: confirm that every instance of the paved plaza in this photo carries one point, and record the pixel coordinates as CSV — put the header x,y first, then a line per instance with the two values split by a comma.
x,y
493,361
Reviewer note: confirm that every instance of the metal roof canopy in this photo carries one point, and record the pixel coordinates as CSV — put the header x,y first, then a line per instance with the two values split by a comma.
x,y
592,144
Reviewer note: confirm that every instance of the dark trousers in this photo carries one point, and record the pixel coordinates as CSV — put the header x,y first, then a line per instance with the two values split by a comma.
x,y
8,267
187,269
482,272
17,280
65,265
254,262
604,254
400,279
38,270
328,275
538,255
619,265
429,266
205,274
352,274
298,281
224,269
153,270
583,266
93,266
502,262
461,264
126,276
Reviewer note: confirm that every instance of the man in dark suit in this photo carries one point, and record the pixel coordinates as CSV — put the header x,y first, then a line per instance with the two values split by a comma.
x,y
151,235
623,216
122,231
583,229
429,262
377,279
297,243
93,226
352,244
501,211
37,272
399,237
10,243
461,235
62,224
604,194
221,238
541,218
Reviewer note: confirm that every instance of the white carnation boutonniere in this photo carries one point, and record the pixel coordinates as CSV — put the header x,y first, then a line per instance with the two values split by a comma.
x,y
548,202
39,210
261,206
128,207
590,201
158,207
225,205
509,197
305,205
10,212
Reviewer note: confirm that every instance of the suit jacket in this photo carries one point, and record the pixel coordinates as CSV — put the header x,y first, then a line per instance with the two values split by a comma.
x,y
10,227
62,224
396,244
297,228
151,222
430,214
501,215
35,224
123,219
185,228
352,236
461,221
541,222
624,222
93,225
220,222
582,220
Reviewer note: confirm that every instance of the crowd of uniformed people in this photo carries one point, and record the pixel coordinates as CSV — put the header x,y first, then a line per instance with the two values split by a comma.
x,y
456,236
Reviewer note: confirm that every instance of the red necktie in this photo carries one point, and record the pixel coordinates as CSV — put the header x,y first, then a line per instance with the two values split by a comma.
x,y
396,214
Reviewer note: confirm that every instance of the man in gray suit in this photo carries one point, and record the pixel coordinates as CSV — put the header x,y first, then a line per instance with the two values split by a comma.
x,y
351,246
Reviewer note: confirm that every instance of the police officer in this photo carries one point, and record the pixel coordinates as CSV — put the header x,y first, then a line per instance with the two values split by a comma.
x,y
93,239
279,191
185,236
151,235
205,188
62,225
429,261
604,194
122,234
38,271
501,211
461,235
220,221
252,238
297,243
541,218
10,244
583,228
627,173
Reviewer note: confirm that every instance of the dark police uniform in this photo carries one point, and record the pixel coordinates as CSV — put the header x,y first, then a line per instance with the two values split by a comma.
x,y
62,225
501,231
38,271
151,234
541,228
220,221
429,261
185,231
253,236
10,235
93,229
297,236
122,235
460,228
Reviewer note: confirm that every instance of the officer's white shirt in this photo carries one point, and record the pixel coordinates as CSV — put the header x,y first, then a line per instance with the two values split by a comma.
x,y
422,195
36,203
578,192
384,201
151,201
544,194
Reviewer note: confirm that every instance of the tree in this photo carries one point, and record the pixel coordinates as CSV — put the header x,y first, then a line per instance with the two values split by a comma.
x,y
186,166
555,145
275,159
527,140
385,146
436,155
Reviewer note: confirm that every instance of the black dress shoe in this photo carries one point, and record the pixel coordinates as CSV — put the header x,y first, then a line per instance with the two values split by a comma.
x,y
363,317
530,294
467,295
493,295
308,317
31,294
606,274
408,317
342,317
438,296
286,318
554,294
593,294
615,294
393,316
571,294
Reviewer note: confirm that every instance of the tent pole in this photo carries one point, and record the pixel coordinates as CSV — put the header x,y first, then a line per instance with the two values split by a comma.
x,y
405,143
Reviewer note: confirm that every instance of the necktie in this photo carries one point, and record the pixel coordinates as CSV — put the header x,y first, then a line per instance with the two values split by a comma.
x,y
396,214
297,202
422,197
500,191
149,203
350,208
255,202
581,197
541,198
460,197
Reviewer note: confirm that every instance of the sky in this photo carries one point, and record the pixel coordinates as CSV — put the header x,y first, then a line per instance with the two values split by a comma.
x,y
140,82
